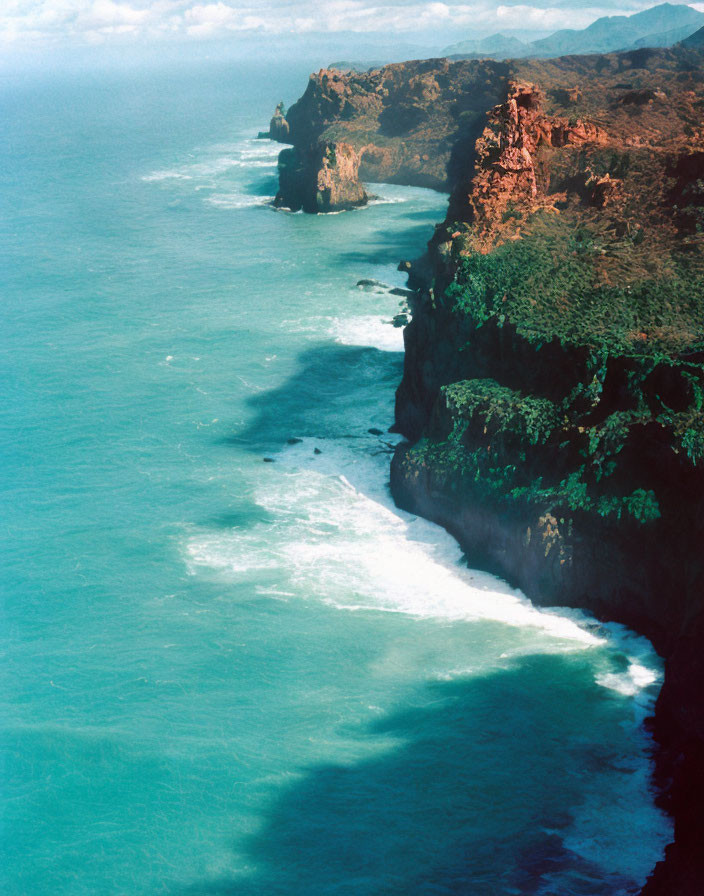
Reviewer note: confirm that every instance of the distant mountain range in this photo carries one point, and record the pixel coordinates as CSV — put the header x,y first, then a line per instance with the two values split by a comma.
x,y
660,26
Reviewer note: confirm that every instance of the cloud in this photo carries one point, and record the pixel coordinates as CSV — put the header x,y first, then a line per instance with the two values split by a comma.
x,y
547,18
91,21
105,15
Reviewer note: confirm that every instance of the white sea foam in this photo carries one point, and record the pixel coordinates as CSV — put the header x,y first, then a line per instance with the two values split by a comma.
x,y
238,200
369,329
250,147
387,200
274,592
211,162
642,676
240,553
342,541
630,682
166,175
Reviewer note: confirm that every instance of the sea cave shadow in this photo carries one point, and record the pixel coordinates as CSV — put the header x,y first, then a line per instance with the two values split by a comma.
x,y
467,794
328,387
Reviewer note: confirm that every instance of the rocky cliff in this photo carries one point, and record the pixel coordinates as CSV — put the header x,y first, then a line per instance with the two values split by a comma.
x,y
554,370
412,123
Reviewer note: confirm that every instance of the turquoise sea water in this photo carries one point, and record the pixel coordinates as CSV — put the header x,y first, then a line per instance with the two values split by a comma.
x,y
226,676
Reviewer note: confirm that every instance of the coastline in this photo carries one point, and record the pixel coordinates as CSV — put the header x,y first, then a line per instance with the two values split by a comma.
x,y
553,377
556,437
678,759
609,569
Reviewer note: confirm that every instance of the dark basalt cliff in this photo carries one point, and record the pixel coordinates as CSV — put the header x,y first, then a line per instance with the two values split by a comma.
x,y
554,371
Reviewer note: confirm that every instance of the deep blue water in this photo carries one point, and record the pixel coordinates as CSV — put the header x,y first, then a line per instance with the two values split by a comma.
x,y
221,675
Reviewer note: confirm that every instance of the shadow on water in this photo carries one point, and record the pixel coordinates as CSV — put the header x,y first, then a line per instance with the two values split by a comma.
x,y
384,247
422,216
322,397
266,185
481,776
242,516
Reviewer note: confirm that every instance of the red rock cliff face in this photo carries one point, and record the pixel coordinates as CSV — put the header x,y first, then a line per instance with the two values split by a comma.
x,y
412,123
510,161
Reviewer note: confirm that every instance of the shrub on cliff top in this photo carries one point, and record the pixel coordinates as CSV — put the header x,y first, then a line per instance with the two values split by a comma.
x,y
548,286
455,467
531,418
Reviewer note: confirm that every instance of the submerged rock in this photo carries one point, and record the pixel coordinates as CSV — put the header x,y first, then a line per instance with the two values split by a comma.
x,y
372,285
405,293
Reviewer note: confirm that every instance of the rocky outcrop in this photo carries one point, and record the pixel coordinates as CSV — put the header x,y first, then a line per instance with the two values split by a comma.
x,y
510,161
553,388
411,123
278,126
323,177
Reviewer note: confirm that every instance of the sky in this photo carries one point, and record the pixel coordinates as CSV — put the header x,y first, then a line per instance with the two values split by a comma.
x,y
32,24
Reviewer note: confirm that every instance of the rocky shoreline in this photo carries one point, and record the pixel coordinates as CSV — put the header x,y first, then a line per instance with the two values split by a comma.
x,y
619,569
554,370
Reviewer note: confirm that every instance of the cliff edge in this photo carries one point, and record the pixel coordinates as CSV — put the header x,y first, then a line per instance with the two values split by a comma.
x,y
412,123
554,369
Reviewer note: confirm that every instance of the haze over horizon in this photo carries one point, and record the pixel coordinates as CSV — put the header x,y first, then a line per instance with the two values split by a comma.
x,y
394,28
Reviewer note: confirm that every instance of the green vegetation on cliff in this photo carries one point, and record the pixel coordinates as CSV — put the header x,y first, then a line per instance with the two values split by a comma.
x,y
554,284
631,318
490,440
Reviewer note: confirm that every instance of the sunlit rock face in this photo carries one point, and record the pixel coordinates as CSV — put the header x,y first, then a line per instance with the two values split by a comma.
x,y
412,123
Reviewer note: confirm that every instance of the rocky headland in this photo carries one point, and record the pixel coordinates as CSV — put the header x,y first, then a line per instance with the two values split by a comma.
x,y
554,369
411,123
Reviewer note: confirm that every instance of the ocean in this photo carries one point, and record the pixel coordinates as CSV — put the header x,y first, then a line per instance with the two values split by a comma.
x,y
229,664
